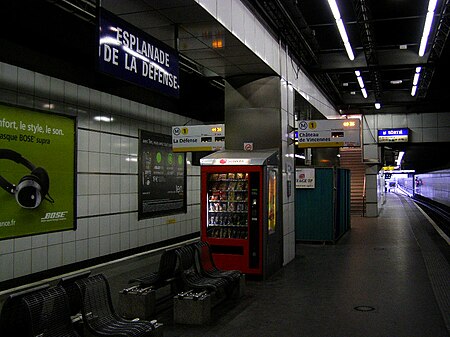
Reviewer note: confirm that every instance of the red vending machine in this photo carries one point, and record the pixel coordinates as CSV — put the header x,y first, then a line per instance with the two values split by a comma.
x,y
240,210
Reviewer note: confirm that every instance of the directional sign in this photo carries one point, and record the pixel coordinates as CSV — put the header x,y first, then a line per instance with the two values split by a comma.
x,y
393,135
198,138
329,133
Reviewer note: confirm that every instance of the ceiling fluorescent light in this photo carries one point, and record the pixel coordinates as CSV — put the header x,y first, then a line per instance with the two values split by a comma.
x,y
400,158
377,106
418,69
342,31
427,27
360,81
414,90
416,78
334,9
432,5
340,24
364,92
396,82
349,50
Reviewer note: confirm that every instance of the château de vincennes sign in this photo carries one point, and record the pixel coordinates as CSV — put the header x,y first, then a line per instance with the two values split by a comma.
x,y
329,133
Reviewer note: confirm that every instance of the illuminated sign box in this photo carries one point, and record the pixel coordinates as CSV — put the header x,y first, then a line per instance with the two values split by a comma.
x,y
198,138
393,135
329,133
127,53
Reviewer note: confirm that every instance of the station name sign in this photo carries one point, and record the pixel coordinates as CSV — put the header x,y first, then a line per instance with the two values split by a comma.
x,y
198,138
329,133
127,53
393,135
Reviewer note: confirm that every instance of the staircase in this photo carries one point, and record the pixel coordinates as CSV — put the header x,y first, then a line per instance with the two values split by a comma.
x,y
351,158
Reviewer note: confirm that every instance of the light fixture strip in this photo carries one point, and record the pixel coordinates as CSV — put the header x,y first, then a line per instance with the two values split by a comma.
x,y
364,92
361,83
415,81
340,24
427,27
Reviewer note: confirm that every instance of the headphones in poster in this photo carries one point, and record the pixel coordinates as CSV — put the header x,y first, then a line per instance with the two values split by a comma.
x,y
32,188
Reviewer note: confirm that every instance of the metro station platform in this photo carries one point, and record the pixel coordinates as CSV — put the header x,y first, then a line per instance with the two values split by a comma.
x,y
386,277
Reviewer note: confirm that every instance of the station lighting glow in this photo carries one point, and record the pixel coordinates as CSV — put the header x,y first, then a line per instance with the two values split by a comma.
x,y
361,83
377,106
427,27
103,119
400,158
340,24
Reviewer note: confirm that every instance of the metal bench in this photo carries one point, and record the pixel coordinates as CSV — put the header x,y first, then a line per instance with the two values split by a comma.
x,y
209,268
100,317
68,283
189,275
165,274
48,313
13,315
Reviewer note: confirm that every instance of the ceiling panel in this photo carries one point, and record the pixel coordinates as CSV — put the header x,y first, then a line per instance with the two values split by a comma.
x,y
122,7
146,19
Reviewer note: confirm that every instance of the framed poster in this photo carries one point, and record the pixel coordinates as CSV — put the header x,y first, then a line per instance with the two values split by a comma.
x,y
162,176
37,172
305,178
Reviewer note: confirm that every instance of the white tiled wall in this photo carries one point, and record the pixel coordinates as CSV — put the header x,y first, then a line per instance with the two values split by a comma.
x,y
239,20
107,175
288,167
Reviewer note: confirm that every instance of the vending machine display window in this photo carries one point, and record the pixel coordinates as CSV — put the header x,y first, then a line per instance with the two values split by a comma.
x,y
272,202
227,205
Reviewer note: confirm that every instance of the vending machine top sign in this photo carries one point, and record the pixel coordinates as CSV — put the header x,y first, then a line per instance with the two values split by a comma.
x,y
329,133
231,157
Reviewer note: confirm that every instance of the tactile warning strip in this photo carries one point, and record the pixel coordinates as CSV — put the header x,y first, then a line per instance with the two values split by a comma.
x,y
437,266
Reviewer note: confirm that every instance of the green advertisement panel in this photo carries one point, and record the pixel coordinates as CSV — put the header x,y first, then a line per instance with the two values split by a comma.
x,y
37,172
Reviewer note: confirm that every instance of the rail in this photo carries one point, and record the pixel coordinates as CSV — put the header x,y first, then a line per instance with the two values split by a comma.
x,y
439,213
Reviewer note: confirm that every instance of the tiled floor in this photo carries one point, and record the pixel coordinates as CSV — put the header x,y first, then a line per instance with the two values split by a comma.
x,y
380,265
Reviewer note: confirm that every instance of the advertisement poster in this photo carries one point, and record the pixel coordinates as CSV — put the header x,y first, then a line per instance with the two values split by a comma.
x,y
37,172
162,176
305,178
272,204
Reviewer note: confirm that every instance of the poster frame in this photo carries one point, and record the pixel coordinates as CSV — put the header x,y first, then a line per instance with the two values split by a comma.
x,y
74,119
154,214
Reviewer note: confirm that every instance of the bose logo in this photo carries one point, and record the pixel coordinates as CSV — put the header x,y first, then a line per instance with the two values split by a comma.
x,y
54,216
